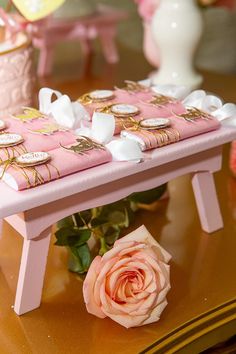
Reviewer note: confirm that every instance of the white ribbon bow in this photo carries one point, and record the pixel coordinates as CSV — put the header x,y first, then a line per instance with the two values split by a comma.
x,y
102,130
225,113
175,91
66,113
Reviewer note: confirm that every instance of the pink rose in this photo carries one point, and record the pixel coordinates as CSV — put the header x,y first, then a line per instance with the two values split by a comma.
x,y
130,282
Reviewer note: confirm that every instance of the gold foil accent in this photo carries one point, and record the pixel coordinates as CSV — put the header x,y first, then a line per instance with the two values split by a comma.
x,y
85,99
134,87
161,100
29,115
49,129
194,114
84,145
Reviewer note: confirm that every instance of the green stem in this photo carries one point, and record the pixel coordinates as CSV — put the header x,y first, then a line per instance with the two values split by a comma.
x,y
103,248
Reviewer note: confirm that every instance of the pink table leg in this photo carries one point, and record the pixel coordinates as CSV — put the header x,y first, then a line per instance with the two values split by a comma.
x,y
207,201
86,47
107,38
31,275
45,62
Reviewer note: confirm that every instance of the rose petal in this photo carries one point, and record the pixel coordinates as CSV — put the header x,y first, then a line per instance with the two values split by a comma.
x,y
126,320
102,271
142,235
155,314
88,289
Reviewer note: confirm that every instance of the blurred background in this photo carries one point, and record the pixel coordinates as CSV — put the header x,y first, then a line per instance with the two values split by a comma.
x,y
217,50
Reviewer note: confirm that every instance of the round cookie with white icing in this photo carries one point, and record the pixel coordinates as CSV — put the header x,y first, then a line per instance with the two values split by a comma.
x,y
101,95
10,139
124,110
154,123
32,159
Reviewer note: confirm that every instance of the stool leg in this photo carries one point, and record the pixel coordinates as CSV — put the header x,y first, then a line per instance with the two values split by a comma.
x,y
207,201
107,39
45,61
31,275
86,47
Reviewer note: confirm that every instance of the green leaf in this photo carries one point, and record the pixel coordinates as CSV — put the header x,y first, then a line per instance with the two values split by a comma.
x,y
72,236
83,217
98,221
74,264
66,222
150,196
111,235
85,256
84,236
104,247
80,259
63,234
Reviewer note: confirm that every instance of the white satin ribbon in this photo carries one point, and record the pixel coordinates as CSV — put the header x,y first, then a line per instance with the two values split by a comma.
x,y
66,113
225,113
175,91
102,130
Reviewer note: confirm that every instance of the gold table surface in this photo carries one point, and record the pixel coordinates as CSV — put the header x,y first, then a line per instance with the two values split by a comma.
x,y
201,309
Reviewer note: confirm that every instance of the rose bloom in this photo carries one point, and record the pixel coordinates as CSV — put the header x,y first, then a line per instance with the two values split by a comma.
x,y
130,282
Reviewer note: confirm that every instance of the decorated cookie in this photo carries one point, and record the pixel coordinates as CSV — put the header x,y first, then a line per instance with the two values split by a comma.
x,y
32,159
101,95
154,123
10,139
124,110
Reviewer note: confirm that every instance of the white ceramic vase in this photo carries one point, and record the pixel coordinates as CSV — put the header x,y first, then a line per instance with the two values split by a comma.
x,y
177,28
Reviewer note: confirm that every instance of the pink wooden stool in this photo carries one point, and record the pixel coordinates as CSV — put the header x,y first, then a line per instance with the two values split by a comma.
x,y
34,211
50,31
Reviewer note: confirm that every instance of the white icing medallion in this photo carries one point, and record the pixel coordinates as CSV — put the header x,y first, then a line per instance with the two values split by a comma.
x,y
154,123
10,139
2,125
101,95
32,159
124,110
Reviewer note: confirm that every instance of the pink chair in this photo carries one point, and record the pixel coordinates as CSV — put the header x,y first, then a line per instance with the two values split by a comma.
x,y
50,31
